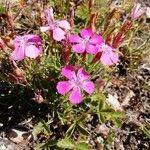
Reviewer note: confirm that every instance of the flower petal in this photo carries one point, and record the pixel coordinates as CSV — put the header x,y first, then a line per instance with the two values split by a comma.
x,y
86,33
18,53
114,57
17,40
75,96
32,51
88,86
49,15
96,39
105,59
68,72
91,49
33,39
79,48
63,87
74,38
137,10
44,29
64,24
58,34
82,75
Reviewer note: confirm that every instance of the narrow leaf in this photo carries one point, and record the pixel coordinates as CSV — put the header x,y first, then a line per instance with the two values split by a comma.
x,y
82,146
66,143
82,130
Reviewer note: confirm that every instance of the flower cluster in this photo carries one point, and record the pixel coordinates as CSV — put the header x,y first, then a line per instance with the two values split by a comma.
x,y
87,42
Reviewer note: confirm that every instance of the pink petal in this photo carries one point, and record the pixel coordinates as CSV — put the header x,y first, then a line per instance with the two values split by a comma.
x,y
44,29
75,96
58,34
106,60
82,75
139,13
88,86
33,39
96,39
64,24
79,48
74,38
32,51
137,10
63,87
68,72
49,15
17,40
18,53
86,33
91,49
114,57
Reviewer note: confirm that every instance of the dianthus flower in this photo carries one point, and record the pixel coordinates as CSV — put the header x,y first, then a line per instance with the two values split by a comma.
x,y
28,45
86,42
57,27
77,82
108,54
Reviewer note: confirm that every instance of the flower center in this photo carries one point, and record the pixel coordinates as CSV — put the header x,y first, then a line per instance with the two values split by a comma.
x,y
85,41
76,82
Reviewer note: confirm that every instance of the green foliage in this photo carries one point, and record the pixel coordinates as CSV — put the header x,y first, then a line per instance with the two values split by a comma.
x,y
105,111
110,138
41,127
66,143
44,73
69,144
2,10
146,131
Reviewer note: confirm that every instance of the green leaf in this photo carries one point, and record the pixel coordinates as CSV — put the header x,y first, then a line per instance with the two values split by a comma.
x,y
2,10
82,12
50,143
101,105
117,122
105,112
102,118
41,127
45,125
66,143
110,137
82,130
110,111
82,146
98,97
38,146
146,131
81,118
71,129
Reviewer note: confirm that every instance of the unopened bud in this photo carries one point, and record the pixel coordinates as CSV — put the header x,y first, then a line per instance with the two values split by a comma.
x,y
18,72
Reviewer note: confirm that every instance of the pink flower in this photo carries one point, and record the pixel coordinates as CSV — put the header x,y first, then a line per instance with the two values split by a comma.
x,y
76,83
137,11
58,27
29,45
86,42
108,55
